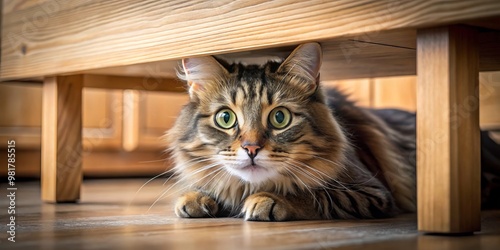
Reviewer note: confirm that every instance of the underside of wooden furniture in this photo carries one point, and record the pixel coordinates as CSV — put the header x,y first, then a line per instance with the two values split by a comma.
x,y
365,38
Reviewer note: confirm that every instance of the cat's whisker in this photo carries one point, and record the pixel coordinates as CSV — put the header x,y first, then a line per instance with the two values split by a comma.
x,y
150,180
219,170
171,171
168,179
329,198
166,172
319,182
323,183
317,156
324,176
190,163
311,168
185,177
204,168
307,187
337,164
318,171
225,178
353,165
372,177
162,195
152,161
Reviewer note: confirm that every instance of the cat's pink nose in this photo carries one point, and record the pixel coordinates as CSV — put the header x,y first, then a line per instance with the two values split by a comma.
x,y
251,149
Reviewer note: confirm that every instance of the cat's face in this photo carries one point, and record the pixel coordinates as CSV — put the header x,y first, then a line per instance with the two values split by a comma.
x,y
257,123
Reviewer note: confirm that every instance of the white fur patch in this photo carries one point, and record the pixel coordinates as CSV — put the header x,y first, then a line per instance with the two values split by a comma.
x,y
241,166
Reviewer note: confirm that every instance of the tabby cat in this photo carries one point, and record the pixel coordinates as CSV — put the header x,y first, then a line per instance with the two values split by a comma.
x,y
266,143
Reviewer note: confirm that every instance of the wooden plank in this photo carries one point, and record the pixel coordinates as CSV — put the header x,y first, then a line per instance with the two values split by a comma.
x,y
149,83
61,173
58,37
348,59
448,157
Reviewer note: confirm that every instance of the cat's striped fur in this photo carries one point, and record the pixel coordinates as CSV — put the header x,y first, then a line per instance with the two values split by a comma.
x,y
333,159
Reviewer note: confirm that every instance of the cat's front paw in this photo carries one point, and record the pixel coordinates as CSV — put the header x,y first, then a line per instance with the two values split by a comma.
x,y
196,205
266,207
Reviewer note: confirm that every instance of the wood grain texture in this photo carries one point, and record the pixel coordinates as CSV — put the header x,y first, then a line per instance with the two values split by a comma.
x,y
147,83
365,55
489,100
61,173
395,92
57,37
448,157
343,58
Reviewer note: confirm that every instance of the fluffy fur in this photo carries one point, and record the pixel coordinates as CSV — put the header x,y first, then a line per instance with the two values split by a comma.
x,y
333,160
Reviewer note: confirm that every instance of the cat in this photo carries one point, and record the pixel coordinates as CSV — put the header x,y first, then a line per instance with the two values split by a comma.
x,y
268,143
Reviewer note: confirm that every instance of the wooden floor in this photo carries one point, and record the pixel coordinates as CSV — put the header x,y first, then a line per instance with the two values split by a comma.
x,y
113,215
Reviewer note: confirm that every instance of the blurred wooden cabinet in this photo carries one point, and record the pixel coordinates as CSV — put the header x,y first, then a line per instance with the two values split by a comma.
x,y
489,100
102,119
122,129
400,92
21,114
388,92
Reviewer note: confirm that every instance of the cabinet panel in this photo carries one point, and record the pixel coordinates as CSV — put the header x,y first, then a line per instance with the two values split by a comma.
x,y
158,111
489,98
102,119
16,112
21,119
400,92
395,92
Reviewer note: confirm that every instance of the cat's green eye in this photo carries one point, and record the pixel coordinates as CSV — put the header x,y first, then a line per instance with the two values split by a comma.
x,y
280,117
225,118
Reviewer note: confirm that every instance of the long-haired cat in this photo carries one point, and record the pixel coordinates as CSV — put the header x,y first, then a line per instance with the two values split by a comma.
x,y
266,143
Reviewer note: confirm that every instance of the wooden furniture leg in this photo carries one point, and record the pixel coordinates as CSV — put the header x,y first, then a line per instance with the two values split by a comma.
x,y
448,156
61,174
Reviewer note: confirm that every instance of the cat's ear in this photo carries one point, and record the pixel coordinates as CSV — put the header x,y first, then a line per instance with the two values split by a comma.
x,y
304,62
200,72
